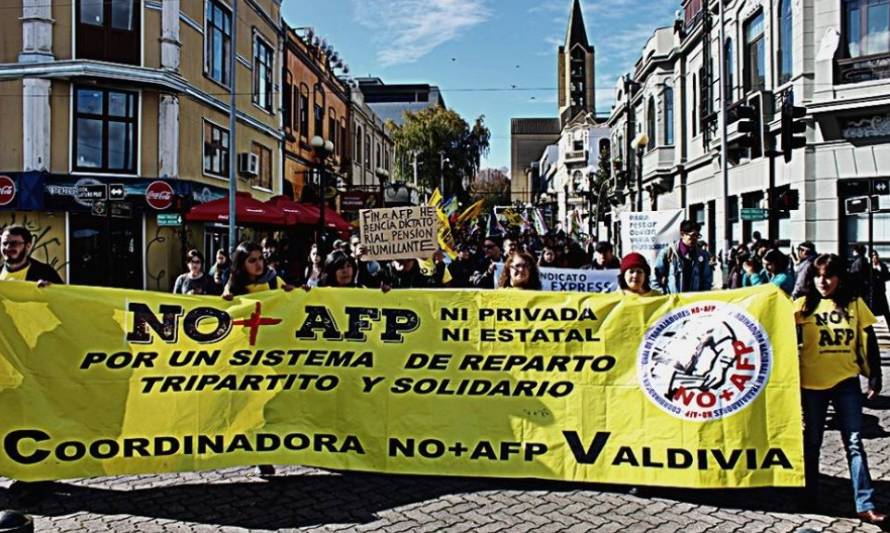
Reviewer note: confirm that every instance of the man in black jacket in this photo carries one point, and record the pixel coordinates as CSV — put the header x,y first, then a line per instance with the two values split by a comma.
x,y
16,243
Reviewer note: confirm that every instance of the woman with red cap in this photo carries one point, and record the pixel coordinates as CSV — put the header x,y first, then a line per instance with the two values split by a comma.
x,y
635,275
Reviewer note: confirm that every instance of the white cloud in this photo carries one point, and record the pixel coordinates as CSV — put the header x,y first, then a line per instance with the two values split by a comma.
x,y
407,30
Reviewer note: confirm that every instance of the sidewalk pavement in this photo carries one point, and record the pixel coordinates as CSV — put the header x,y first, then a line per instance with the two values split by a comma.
x,y
308,499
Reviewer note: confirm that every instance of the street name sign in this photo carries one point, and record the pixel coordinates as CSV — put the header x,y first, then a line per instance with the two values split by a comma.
x,y
169,219
94,191
754,214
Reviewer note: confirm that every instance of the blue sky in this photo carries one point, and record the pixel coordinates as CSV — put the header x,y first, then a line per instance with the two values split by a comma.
x,y
467,45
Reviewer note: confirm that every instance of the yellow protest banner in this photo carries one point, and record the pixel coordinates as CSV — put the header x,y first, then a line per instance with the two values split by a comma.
x,y
698,390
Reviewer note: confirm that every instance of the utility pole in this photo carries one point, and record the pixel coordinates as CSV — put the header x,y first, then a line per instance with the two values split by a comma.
x,y
233,155
724,163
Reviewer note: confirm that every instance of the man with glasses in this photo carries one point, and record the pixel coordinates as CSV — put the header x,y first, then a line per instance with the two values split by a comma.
x,y
18,265
483,277
684,266
16,242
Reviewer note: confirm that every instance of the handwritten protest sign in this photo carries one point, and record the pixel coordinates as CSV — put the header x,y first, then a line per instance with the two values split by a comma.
x,y
648,232
399,232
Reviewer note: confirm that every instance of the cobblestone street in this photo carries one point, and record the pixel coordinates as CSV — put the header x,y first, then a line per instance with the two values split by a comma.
x,y
301,499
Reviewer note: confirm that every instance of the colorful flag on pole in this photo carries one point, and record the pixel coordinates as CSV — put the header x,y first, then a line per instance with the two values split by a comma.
x,y
494,227
575,224
435,198
450,206
538,219
471,212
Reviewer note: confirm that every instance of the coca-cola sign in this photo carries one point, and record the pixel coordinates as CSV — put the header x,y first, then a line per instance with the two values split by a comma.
x,y
159,195
7,190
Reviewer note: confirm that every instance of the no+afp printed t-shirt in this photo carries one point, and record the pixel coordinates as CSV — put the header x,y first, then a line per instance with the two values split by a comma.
x,y
831,339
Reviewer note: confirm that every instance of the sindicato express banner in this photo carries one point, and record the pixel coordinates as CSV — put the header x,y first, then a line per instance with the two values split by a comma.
x,y
696,391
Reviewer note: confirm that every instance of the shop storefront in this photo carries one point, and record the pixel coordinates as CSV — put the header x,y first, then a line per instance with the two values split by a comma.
x,y
107,231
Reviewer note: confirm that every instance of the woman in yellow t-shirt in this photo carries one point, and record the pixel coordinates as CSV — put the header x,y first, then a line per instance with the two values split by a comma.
x,y
837,345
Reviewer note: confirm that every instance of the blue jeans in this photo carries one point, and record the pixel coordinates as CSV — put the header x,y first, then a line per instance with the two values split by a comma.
x,y
847,399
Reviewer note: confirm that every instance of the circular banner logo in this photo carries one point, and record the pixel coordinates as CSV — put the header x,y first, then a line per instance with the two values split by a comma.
x,y
159,195
704,361
7,190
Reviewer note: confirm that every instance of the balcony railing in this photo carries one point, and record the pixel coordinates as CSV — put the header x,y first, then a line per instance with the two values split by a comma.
x,y
858,69
577,156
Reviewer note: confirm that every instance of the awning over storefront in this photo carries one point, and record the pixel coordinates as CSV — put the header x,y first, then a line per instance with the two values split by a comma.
x,y
248,210
308,214
296,212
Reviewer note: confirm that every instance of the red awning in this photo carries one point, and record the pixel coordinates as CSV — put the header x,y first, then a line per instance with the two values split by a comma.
x,y
308,214
296,212
248,210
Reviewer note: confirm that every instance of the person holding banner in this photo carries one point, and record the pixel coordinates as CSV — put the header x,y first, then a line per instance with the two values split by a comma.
x,y
250,273
520,272
15,245
195,281
634,276
838,343
339,271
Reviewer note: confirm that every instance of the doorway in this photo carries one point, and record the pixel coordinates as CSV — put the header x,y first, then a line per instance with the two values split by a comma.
x,y
105,252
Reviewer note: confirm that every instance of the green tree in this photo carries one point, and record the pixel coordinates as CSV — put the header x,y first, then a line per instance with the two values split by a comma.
x,y
435,134
494,189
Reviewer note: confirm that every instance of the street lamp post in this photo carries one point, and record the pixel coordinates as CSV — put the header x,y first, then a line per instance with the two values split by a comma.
x,y
322,149
442,161
382,175
591,222
640,142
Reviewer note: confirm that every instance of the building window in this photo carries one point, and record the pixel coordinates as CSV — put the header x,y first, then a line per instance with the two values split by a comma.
x,y
319,121
729,72
344,139
108,30
264,178
263,62
785,41
368,151
867,27
105,130
216,150
304,110
217,42
378,159
358,145
332,129
288,100
668,115
693,106
755,54
650,123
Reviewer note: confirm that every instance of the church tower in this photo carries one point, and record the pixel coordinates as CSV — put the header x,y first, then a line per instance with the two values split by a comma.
x,y
576,70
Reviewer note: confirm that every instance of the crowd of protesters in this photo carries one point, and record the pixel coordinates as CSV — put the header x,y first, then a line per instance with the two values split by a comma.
x,y
821,285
